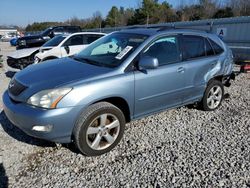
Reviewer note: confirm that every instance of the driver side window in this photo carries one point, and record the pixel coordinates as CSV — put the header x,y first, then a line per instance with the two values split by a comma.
x,y
74,40
165,49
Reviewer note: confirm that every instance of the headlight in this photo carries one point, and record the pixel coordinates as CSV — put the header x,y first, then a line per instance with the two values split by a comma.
x,y
48,98
22,42
36,60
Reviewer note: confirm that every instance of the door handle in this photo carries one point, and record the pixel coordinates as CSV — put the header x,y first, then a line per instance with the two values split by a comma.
x,y
213,64
181,70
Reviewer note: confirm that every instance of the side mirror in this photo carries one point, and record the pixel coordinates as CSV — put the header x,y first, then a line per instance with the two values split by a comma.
x,y
148,62
67,49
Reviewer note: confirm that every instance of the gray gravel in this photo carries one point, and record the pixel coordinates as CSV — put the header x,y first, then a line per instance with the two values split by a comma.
x,y
177,148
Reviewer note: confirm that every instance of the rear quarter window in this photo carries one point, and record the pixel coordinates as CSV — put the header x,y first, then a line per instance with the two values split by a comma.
x,y
209,49
217,48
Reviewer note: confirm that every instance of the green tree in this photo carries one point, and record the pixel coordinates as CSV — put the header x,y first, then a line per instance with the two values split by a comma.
x,y
113,17
224,13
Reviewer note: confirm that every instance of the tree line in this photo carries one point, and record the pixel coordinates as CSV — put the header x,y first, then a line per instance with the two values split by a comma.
x,y
153,11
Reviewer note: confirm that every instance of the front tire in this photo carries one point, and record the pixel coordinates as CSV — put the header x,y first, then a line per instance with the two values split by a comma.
x,y
213,96
99,129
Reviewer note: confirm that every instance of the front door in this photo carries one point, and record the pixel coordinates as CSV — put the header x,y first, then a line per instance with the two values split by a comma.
x,y
163,87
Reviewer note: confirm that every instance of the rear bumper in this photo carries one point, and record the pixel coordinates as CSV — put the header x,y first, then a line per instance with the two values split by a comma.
x,y
26,117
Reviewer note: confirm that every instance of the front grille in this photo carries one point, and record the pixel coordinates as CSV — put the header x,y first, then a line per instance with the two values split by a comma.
x,y
16,88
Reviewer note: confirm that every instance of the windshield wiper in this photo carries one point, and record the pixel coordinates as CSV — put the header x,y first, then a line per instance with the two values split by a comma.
x,y
89,61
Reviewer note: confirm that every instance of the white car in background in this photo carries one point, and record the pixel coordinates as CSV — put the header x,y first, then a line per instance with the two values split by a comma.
x,y
60,46
66,45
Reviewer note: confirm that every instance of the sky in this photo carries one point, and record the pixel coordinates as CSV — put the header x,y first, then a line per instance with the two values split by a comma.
x,y
24,12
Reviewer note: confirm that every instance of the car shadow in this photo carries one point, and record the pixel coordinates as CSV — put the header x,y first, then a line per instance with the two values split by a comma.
x,y
4,180
19,135
71,147
10,74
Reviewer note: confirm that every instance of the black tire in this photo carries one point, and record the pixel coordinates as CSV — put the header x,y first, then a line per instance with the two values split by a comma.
x,y
81,139
204,103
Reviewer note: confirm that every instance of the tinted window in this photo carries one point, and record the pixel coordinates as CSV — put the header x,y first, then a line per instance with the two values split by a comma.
x,y
54,41
90,38
216,47
58,30
166,50
46,32
209,49
193,47
74,40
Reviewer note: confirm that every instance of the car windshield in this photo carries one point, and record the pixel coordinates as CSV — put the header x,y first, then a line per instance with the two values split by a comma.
x,y
111,50
54,41
46,32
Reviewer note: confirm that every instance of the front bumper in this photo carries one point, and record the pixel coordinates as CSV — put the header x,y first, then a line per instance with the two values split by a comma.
x,y
25,117
20,63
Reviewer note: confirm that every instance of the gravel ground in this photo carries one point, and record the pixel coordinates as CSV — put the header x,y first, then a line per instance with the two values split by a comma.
x,y
176,148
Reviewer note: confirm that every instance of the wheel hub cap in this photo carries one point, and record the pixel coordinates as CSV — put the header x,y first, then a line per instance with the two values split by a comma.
x,y
214,97
103,131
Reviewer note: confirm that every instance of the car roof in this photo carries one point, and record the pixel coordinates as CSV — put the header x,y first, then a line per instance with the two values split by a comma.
x,y
81,33
157,31
143,31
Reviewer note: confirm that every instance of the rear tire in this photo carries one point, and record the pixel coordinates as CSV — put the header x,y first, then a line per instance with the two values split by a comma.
x,y
99,129
213,96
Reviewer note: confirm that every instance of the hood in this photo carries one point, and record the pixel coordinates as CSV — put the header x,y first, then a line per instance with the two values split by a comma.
x,y
56,73
22,53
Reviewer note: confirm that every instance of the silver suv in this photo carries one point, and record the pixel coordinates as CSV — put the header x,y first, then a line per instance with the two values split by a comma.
x,y
125,75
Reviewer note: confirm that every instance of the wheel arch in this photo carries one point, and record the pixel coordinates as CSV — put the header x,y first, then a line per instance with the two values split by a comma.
x,y
120,103
218,78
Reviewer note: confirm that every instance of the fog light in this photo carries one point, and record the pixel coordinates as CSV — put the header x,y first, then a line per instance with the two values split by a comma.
x,y
45,128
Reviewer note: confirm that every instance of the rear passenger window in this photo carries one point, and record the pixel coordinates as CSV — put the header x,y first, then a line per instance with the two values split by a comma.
x,y
216,47
165,49
209,49
193,47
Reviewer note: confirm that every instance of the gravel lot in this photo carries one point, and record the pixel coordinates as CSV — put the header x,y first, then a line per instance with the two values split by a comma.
x,y
177,148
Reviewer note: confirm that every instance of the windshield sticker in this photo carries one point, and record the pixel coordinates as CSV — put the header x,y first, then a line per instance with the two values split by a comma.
x,y
123,52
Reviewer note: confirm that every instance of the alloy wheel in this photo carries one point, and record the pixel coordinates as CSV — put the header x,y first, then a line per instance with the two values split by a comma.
x,y
103,131
214,97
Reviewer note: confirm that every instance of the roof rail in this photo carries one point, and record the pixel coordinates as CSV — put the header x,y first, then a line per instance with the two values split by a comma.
x,y
174,26
201,28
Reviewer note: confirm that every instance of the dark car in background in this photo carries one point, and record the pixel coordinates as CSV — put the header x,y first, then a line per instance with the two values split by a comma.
x,y
40,39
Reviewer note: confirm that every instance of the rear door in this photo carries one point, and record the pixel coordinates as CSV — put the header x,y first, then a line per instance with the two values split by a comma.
x,y
200,58
160,88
